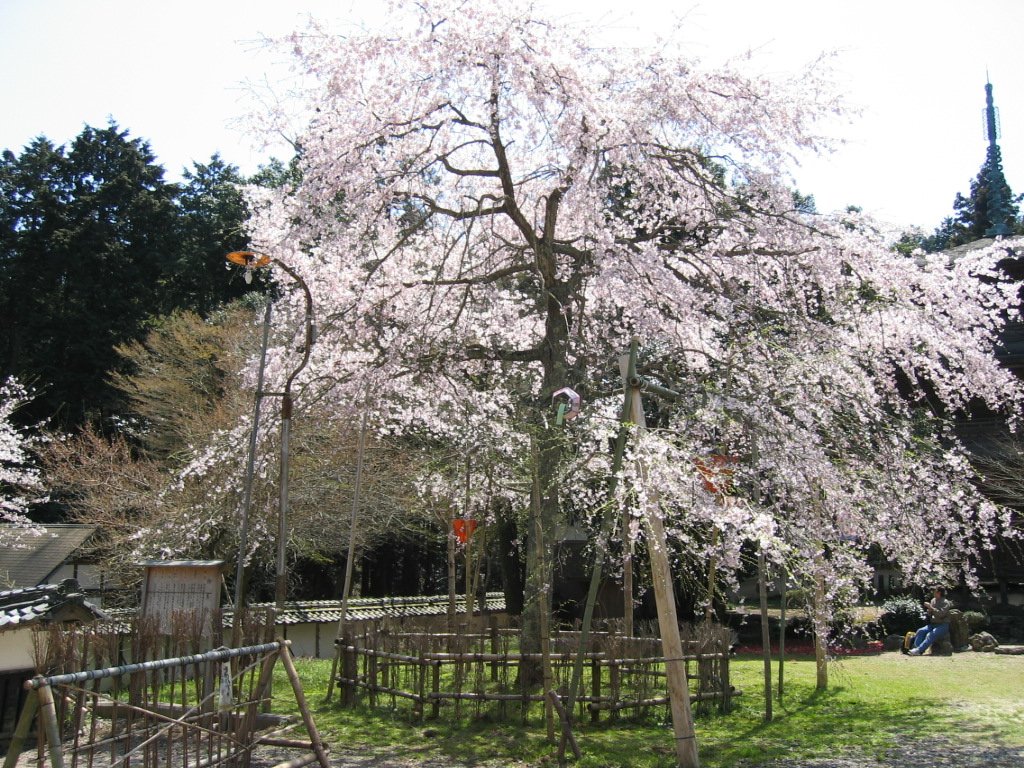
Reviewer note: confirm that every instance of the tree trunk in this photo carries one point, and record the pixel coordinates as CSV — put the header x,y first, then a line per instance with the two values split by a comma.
x,y
627,576
539,569
468,549
548,450
508,558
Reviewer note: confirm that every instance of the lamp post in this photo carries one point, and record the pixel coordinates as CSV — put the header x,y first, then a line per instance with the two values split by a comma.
x,y
251,260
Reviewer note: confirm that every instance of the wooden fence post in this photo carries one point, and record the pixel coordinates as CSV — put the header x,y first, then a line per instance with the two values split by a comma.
x,y
21,730
349,670
372,678
726,685
50,725
421,687
493,622
615,684
437,689
300,699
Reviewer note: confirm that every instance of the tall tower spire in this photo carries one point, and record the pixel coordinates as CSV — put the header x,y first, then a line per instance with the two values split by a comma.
x,y
998,208
991,116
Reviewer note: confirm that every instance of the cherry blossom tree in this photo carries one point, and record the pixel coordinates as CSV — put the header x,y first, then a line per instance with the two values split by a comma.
x,y
20,484
514,198
490,207
834,449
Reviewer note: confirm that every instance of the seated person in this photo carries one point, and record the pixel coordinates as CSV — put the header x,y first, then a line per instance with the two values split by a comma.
x,y
938,623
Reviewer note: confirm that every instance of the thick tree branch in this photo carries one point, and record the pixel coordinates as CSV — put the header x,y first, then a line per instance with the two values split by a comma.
x,y
466,172
477,280
480,352
508,186
475,213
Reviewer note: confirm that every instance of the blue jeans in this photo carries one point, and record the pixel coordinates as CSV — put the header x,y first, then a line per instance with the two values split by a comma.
x,y
928,634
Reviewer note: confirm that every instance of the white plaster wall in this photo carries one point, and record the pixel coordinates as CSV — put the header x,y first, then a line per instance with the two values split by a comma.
x,y
16,650
304,639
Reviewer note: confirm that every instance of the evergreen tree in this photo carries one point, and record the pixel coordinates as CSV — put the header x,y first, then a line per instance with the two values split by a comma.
x,y
212,212
85,239
972,218
94,244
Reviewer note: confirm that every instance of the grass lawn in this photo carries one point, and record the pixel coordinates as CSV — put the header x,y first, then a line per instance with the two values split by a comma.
x,y
873,703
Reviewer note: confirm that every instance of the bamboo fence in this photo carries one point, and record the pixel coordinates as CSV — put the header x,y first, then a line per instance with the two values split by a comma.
x,y
107,699
476,673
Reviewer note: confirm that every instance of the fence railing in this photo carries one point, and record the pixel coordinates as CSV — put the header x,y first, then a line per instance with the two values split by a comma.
x,y
196,711
474,673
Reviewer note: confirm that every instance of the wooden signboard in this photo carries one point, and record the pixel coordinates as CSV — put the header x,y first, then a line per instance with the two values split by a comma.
x,y
181,586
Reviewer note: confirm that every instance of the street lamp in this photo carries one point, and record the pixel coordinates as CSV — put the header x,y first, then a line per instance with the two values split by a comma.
x,y
251,260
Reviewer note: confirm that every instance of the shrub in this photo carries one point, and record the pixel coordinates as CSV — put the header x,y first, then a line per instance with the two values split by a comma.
x,y
901,615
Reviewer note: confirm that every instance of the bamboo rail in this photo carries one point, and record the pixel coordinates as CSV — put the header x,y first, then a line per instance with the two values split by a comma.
x,y
197,710
472,670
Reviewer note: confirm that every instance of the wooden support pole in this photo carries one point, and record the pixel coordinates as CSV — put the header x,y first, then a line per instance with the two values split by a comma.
x,y
709,609
50,725
21,730
664,594
351,556
766,640
567,735
241,570
300,699
782,635
818,609
671,643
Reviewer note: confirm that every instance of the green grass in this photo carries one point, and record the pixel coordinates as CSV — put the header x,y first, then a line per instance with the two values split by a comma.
x,y
872,702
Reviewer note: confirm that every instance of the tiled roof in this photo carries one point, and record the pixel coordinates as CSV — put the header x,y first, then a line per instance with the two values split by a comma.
x,y
45,602
371,608
359,609
32,559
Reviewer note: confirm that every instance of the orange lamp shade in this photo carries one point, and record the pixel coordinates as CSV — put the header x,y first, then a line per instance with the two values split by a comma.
x,y
248,259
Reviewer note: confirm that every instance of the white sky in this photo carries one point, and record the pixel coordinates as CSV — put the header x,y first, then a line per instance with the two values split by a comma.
x,y
174,73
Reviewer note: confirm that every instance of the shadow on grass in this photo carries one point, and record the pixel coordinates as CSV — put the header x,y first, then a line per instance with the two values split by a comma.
x,y
815,726
843,720
826,724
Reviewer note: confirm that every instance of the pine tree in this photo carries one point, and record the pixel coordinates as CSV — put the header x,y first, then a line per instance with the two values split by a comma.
x,y
211,214
85,237
94,244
